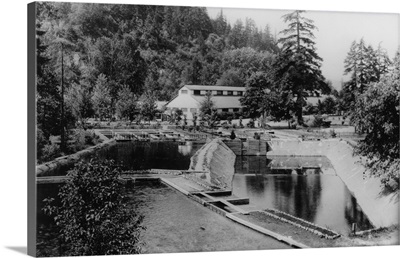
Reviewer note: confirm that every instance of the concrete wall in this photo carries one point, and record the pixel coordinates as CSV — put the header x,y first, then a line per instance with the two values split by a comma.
x,y
251,147
235,145
381,209
217,161
256,147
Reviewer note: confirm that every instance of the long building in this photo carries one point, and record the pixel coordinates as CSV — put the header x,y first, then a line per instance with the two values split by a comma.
x,y
190,97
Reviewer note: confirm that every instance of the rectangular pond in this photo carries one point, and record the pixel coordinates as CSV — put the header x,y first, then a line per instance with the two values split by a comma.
x,y
146,155
299,186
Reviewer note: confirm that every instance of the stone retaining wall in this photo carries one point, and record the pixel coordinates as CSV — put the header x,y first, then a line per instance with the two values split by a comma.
x,y
56,166
382,209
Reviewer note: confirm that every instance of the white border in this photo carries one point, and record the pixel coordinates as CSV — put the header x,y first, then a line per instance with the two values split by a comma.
x,y
14,120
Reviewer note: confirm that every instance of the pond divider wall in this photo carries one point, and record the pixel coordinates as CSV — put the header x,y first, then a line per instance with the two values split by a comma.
x,y
301,223
251,147
381,209
235,145
217,160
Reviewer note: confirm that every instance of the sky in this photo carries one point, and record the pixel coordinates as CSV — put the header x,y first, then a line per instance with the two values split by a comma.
x,y
336,31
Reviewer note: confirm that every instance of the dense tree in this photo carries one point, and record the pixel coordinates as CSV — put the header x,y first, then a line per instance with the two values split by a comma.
x,y
147,48
376,112
231,77
257,89
395,68
48,99
237,38
148,107
93,217
208,111
263,100
79,99
244,62
297,68
102,98
220,25
365,66
207,106
328,106
126,105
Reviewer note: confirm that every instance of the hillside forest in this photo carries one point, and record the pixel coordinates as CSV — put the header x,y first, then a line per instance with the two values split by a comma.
x,y
113,61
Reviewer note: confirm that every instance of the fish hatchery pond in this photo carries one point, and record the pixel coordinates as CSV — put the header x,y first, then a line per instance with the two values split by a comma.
x,y
279,183
305,187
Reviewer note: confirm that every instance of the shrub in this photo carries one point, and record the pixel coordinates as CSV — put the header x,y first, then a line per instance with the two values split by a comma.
x,y
81,139
49,152
318,121
41,141
93,218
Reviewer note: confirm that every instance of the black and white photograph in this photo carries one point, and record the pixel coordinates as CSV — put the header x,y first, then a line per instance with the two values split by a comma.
x,y
165,129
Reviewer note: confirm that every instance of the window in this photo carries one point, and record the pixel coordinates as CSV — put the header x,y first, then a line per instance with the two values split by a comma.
x,y
230,93
184,91
184,109
193,110
219,92
235,110
196,92
240,93
225,110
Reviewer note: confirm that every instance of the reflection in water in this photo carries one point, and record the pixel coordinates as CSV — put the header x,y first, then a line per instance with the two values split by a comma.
x,y
353,212
146,155
308,194
186,149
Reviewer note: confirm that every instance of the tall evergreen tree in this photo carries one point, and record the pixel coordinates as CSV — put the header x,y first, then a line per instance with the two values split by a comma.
x,y
359,64
365,66
47,92
298,64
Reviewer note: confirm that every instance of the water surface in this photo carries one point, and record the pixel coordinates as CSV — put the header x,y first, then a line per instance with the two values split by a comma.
x,y
303,192
147,155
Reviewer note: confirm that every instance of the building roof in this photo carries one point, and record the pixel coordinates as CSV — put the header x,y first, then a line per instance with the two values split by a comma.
x,y
222,101
209,87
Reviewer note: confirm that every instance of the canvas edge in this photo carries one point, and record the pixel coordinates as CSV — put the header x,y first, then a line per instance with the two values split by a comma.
x,y
31,198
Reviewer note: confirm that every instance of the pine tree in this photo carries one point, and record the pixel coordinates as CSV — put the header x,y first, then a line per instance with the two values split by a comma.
x,y
298,65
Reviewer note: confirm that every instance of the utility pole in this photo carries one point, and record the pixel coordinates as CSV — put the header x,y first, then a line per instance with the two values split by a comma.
x,y
62,101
